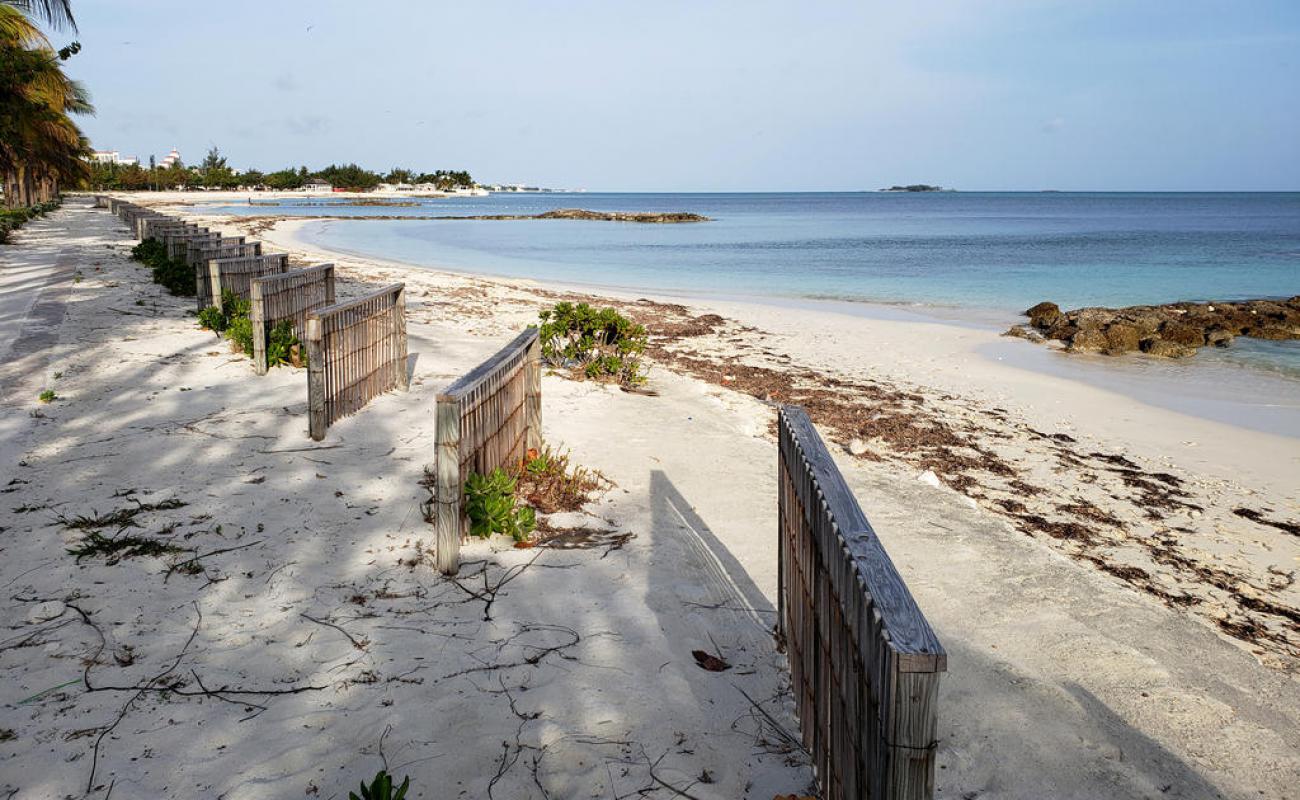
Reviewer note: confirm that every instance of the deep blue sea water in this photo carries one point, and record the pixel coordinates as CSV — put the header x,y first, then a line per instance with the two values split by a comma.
x,y
985,252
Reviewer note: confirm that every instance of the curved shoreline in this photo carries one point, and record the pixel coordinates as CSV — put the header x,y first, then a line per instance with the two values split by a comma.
x,y
1191,389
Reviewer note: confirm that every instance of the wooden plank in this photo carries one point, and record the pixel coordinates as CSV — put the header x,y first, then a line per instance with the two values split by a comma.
x,y
468,382
533,395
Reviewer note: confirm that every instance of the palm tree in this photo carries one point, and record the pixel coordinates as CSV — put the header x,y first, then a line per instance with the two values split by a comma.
x,y
39,143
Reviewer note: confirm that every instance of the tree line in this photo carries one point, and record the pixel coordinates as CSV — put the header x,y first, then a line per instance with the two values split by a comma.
x,y
41,148
214,173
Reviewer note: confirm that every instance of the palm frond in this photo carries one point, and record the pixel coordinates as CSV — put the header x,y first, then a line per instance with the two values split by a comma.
x,y
57,13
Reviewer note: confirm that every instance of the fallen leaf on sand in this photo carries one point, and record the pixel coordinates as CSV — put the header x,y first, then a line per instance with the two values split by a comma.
x,y
709,661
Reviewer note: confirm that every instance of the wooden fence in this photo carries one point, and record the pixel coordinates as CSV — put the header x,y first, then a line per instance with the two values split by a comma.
x,y
488,418
288,296
178,242
864,661
217,273
199,251
155,227
355,351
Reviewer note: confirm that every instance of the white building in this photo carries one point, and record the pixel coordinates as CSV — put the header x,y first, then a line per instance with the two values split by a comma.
x,y
174,157
112,157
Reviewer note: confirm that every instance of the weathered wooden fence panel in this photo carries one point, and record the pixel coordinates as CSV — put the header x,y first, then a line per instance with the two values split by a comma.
x,y
288,296
355,351
151,227
213,276
488,418
199,251
178,242
864,662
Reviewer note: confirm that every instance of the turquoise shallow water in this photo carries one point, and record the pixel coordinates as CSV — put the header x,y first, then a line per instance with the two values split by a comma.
x,y
993,254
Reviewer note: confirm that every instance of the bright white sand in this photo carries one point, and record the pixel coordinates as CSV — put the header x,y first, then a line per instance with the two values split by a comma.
x,y
1063,681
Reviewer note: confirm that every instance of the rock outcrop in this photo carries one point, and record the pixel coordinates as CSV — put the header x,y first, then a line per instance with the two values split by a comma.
x,y
1175,330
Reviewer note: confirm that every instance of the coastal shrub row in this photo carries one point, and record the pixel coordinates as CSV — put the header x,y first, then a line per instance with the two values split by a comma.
x,y
601,344
232,320
176,277
11,219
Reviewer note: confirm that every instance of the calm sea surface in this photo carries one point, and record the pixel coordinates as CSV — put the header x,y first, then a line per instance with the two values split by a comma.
x,y
986,254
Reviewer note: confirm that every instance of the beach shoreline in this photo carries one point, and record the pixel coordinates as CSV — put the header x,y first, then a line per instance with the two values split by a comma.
x,y
1007,403
1089,643
1265,402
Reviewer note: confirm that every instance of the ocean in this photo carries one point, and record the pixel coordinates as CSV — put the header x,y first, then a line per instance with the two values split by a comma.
x,y
985,256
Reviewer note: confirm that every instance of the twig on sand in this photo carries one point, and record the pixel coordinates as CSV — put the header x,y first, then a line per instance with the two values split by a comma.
x,y
361,644
490,590
194,560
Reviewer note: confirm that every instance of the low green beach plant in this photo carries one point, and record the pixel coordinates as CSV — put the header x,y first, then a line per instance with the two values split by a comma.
x,y
491,506
48,396
600,343
283,347
11,219
176,277
381,788
213,319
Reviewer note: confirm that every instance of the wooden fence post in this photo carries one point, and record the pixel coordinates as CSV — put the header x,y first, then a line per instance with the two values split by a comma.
x,y
214,282
255,316
447,488
399,322
315,380
533,395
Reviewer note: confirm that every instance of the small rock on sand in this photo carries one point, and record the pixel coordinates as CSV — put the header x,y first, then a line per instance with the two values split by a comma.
x,y
45,611
928,477
857,447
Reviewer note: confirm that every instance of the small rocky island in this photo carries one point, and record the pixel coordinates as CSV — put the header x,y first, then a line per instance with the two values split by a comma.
x,y
916,187
1173,330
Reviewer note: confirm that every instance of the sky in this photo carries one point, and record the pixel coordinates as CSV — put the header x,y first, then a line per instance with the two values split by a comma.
x,y
798,95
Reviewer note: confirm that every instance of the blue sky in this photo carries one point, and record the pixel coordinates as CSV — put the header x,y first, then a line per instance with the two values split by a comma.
x,y
701,96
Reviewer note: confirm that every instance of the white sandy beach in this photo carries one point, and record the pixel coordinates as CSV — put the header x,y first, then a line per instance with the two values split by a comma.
x,y
1115,627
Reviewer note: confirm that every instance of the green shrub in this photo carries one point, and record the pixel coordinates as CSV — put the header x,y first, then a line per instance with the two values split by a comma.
x,y
213,319
602,343
491,507
240,334
381,788
149,252
280,346
48,396
176,277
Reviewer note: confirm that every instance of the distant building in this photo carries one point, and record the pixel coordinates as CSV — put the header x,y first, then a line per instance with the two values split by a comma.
x,y
172,158
112,157
317,185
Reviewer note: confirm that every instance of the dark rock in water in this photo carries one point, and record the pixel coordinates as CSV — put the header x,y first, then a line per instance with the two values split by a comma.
x,y
1166,348
1175,330
1218,337
1024,332
1182,333
1088,340
1121,337
1273,332
1044,315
